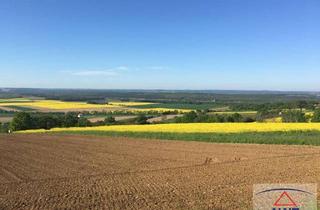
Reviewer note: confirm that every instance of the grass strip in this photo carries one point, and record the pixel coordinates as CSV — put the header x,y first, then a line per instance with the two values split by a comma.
x,y
285,138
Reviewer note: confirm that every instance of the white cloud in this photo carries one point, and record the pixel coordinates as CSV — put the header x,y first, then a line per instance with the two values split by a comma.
x,y
95,73
157,68
108,72
111,72
122,68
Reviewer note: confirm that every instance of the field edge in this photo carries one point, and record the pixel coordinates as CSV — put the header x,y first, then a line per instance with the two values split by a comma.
x,y
278,137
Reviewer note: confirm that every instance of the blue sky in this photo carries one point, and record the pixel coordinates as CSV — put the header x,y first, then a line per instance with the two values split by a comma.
x,y
161,44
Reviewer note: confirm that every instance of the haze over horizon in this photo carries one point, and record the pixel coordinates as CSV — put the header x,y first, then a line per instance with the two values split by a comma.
x,y
172,45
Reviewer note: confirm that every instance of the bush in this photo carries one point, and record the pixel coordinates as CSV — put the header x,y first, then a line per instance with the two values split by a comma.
x,y
316,116
70,120
265,114
188,117
109,120
4,127
84,122
21,121
209,118
141,119
25,121
248,119
294,116
237,117
46,121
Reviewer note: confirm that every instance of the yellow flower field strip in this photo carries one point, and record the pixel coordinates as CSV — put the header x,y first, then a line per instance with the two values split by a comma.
x,y
59,105
197,128
54,104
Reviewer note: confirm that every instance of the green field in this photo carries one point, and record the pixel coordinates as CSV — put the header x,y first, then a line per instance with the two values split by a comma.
x,y
288,138
20,108
14,100
188,106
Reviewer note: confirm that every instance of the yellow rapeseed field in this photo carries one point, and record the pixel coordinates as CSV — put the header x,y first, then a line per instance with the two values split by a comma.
x,y
62,105
54,104
197,128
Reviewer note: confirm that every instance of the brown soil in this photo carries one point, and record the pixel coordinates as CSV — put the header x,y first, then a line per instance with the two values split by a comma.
x,y
117,118
8,109
85,172
163,117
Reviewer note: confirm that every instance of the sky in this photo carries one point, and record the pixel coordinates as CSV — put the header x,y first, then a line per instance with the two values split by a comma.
x,y
161,44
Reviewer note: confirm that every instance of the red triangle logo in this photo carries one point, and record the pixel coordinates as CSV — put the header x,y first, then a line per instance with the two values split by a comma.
x,y
289,201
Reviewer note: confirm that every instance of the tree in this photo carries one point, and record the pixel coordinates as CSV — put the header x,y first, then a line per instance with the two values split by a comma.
x,y
302,104
70,119
237,117
262,115
201,117
109,120
248,119
4,127
212,118
316,116
141,119
265,114
230,118
83,122
190,117
293,116
21,121
47,121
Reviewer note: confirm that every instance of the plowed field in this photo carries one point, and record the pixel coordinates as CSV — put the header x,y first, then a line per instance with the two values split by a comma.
x,y
40,171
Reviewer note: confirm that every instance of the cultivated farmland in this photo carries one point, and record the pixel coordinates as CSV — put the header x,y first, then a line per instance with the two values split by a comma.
x,y
55,105
81,172
26,104
197,128
98,153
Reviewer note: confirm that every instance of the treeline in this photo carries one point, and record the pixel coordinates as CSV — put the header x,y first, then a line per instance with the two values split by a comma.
x,y
27,121
289,116
300,104
294,116
202,116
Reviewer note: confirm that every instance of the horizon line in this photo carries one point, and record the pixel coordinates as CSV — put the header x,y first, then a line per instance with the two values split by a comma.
x,y
163,89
